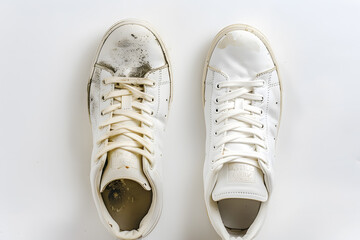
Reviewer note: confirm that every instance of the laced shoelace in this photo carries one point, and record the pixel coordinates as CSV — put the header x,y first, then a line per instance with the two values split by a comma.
x,y
246,122
137,143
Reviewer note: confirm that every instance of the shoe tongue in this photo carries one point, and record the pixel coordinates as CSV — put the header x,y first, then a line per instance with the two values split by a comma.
x,y
240,180
122,164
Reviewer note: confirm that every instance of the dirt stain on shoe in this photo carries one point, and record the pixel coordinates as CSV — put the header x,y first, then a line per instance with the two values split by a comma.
x,y
140,71
116,192
129,56
93,105
124,43
106,65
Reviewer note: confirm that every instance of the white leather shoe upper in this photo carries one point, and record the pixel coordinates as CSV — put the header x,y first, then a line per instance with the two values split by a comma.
x,y
131,71
242,105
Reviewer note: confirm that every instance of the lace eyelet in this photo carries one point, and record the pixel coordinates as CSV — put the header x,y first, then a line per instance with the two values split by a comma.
x,y
214,147
102,114
216,133
217,110
216,100
152,113
262,126
262,99
261,112
153,99
216,121
217,86
103,98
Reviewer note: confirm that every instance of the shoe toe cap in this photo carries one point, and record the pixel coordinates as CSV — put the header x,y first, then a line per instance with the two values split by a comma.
x,y
241,54
131,50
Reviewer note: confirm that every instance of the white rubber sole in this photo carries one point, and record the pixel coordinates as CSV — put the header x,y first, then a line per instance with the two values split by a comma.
x,y
132,22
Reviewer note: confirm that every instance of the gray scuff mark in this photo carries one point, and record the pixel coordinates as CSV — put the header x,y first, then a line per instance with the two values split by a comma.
x,y
106,65
93,90
129,56
117,194
140,71
124,43
157,41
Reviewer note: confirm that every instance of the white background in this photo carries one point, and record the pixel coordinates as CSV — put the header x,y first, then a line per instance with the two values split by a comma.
x,y
46,50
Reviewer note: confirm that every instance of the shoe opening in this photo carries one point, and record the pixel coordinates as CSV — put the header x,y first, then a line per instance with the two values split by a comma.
x,y
127,203
238,214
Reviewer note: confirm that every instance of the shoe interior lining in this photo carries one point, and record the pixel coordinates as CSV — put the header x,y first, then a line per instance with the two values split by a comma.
x,y
238,214
127,203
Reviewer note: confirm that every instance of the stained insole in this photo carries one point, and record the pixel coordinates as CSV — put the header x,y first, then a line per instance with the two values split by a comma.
x,y
127,202
238,214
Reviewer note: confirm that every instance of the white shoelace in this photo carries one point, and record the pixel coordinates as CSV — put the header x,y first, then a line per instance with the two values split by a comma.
x,y
118,122
246,123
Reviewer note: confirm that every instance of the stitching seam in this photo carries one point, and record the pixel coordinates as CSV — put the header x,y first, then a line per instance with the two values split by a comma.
x,y
158,100
247,193
267,109
164,83
219,71
156,69
265,72
274,84
210,110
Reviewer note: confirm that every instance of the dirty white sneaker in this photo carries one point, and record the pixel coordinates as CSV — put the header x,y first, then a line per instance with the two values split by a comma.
x,y
129,93
242,96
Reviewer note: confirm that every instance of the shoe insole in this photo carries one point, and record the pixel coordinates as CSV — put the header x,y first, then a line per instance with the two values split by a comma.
x,y
238,214
127,202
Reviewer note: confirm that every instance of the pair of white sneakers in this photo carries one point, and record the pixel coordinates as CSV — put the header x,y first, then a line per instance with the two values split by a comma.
x,y
129,96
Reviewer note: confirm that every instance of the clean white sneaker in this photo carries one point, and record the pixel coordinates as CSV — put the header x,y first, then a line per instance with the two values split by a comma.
x,y
129,95
242,97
